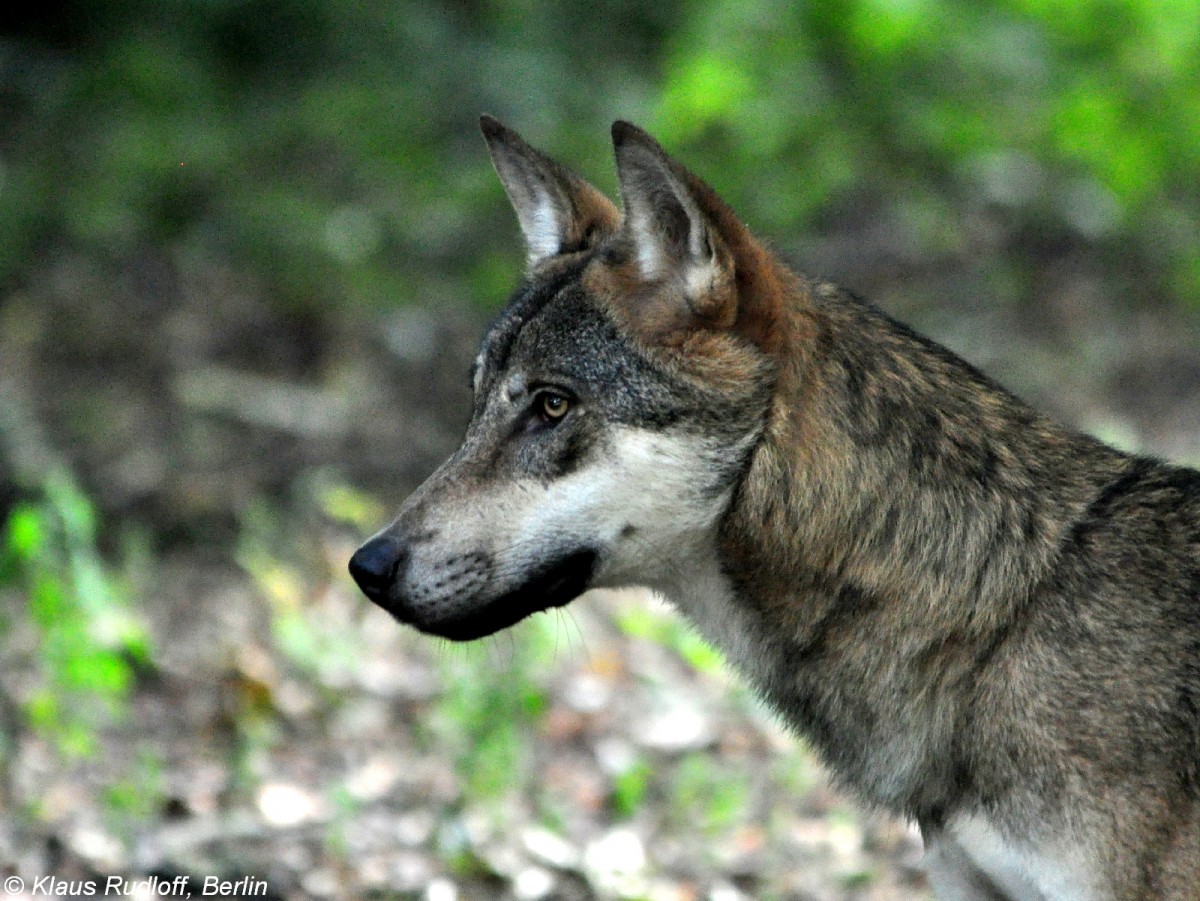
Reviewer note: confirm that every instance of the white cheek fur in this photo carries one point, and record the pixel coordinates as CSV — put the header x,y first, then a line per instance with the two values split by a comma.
x,y
646,504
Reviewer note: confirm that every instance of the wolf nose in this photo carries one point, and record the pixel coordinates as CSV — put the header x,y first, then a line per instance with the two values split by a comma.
x,y
374,566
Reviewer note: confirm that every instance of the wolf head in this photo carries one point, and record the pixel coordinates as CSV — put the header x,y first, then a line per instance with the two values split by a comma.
x,y
617,399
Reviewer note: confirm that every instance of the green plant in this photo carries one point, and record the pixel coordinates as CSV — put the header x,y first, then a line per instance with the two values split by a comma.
x,y
666,628
277,549
493,699
138,795
630,788
708,795
87,639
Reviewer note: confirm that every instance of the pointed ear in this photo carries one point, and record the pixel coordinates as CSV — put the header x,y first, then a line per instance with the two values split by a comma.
x,y
670,225
558,211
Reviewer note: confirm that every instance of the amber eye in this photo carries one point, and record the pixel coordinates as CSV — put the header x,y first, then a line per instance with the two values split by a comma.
x,y
553,406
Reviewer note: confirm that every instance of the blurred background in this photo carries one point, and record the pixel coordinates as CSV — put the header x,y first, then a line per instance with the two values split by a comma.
x,y
246,251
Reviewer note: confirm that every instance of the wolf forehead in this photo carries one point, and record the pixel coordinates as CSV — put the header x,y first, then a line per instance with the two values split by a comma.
x,y
554,332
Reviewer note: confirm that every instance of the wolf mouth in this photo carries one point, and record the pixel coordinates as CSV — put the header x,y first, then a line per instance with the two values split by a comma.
x,y
553,585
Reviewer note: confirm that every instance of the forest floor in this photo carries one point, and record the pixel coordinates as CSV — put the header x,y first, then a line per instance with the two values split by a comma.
x,y
289,735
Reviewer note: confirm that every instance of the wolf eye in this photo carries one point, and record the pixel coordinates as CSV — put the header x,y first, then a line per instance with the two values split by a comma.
x,y
553,406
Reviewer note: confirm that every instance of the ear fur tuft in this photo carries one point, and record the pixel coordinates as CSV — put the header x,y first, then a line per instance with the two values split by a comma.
x,y
622,131
490,125
557,210
671,235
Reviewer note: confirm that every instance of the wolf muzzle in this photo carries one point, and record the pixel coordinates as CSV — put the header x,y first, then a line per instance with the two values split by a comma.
x,y
461,598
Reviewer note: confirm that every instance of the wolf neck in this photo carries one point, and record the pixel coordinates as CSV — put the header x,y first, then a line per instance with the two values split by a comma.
x,y
898,514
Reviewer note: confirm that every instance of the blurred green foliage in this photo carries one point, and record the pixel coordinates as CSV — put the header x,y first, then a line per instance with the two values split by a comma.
x,y
630,788
665,629
707,795
330,147
87,639
492,704
137,797
282,557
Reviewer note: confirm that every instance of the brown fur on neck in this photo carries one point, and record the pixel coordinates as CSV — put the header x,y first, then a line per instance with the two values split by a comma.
x,y
897,514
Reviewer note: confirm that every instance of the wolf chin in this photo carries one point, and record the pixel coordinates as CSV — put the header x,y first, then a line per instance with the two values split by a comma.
x,y
983,621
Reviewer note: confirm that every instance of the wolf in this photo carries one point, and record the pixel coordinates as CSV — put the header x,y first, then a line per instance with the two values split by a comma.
x,y
983,621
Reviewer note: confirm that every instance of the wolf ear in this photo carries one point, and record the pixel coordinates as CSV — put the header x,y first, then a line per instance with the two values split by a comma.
x,y
669,226
558,211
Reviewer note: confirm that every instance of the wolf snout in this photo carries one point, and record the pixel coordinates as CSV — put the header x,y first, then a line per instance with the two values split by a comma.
x,y
375,564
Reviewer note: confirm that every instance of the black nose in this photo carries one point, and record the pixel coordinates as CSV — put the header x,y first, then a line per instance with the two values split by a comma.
x,y
374,566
